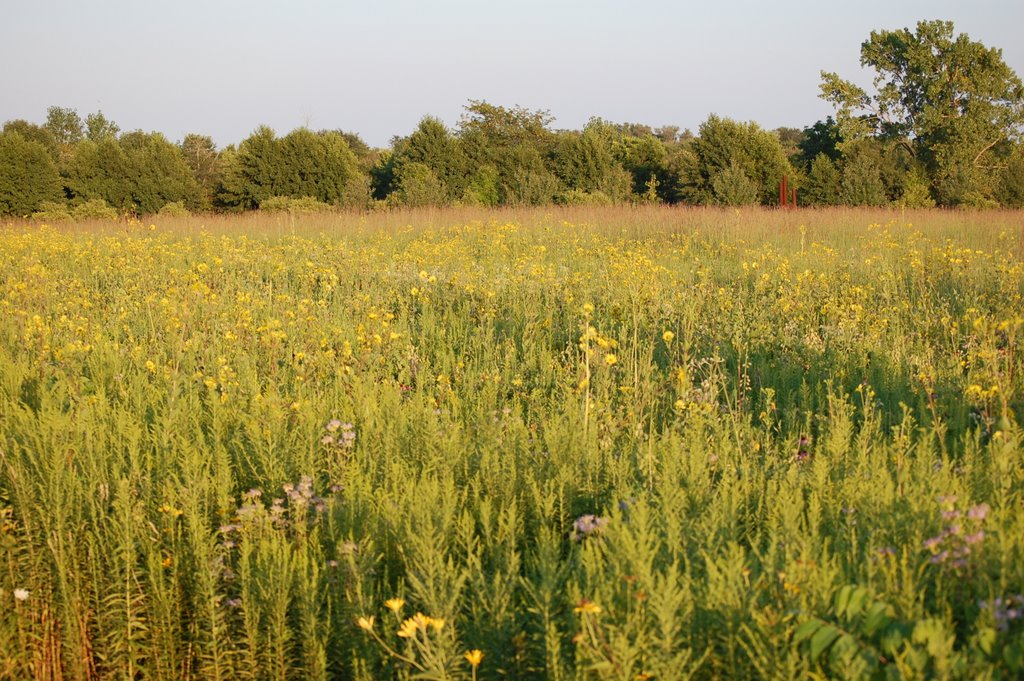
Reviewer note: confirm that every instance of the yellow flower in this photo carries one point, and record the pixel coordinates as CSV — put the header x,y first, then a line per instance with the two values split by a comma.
x,y
610,359
408,628
394,604
474,657
587,608
437,623
365,623
668,336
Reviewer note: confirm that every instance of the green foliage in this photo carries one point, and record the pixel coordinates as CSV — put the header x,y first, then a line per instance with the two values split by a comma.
x,y
951,100
416,184
916,192
431,145
66,127
157,173
524,179
584,162
34,133
482,188
730,186
289,204
821,138
578,197
140,172
862,184
637,447
723,144
175,209
28,175
300,164
821,187
98,127
1011,187
52,211
94,209
200,155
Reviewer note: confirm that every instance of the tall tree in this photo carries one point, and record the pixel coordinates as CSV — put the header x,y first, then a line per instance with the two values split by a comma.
x,y
28,175
99,127
727,146
951,101
35,133
66,127
200,154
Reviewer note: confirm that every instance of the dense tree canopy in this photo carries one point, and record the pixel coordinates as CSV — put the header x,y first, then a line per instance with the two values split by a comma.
x,y
951,101
942,124
28,175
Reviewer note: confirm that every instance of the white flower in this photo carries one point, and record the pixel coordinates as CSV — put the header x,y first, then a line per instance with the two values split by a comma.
x,y
21,594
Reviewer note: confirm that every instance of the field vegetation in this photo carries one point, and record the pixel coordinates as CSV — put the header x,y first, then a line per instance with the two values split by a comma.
x,y
573,443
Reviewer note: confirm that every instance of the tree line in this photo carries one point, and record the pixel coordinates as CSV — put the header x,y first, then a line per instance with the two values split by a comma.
x,y
943,127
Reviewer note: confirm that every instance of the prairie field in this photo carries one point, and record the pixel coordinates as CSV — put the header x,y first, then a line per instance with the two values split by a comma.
x,y
618,443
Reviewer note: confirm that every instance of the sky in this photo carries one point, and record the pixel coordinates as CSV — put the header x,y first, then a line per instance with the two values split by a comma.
x,y
224,67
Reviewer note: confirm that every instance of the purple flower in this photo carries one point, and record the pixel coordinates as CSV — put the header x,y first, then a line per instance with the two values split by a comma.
x,y
978,512
586,525
932,543
975,538
333,425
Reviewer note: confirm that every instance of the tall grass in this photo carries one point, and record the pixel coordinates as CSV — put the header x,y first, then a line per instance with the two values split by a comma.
x,y
615,444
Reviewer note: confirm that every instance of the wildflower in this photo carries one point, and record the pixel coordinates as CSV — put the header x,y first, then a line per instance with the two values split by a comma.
x,y
474,657
333,425
975,538
365,623
437,623
408,628
21,594
978,512
610,359
668,337
394,604
586,525
586,607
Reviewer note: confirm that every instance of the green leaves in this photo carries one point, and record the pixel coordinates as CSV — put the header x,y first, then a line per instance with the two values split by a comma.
x,y
952,101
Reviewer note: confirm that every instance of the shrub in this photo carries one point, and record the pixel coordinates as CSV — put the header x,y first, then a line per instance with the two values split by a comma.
x,y
578,197
95,209
52,211
287,204
175,209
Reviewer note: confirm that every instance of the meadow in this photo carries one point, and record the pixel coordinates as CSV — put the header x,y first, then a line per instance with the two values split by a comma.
x,y
621,443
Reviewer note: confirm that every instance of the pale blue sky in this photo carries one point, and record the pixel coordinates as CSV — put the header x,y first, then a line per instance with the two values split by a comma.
x,y
223,67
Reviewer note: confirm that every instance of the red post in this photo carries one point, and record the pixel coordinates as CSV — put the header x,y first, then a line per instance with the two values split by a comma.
x,y
783,193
